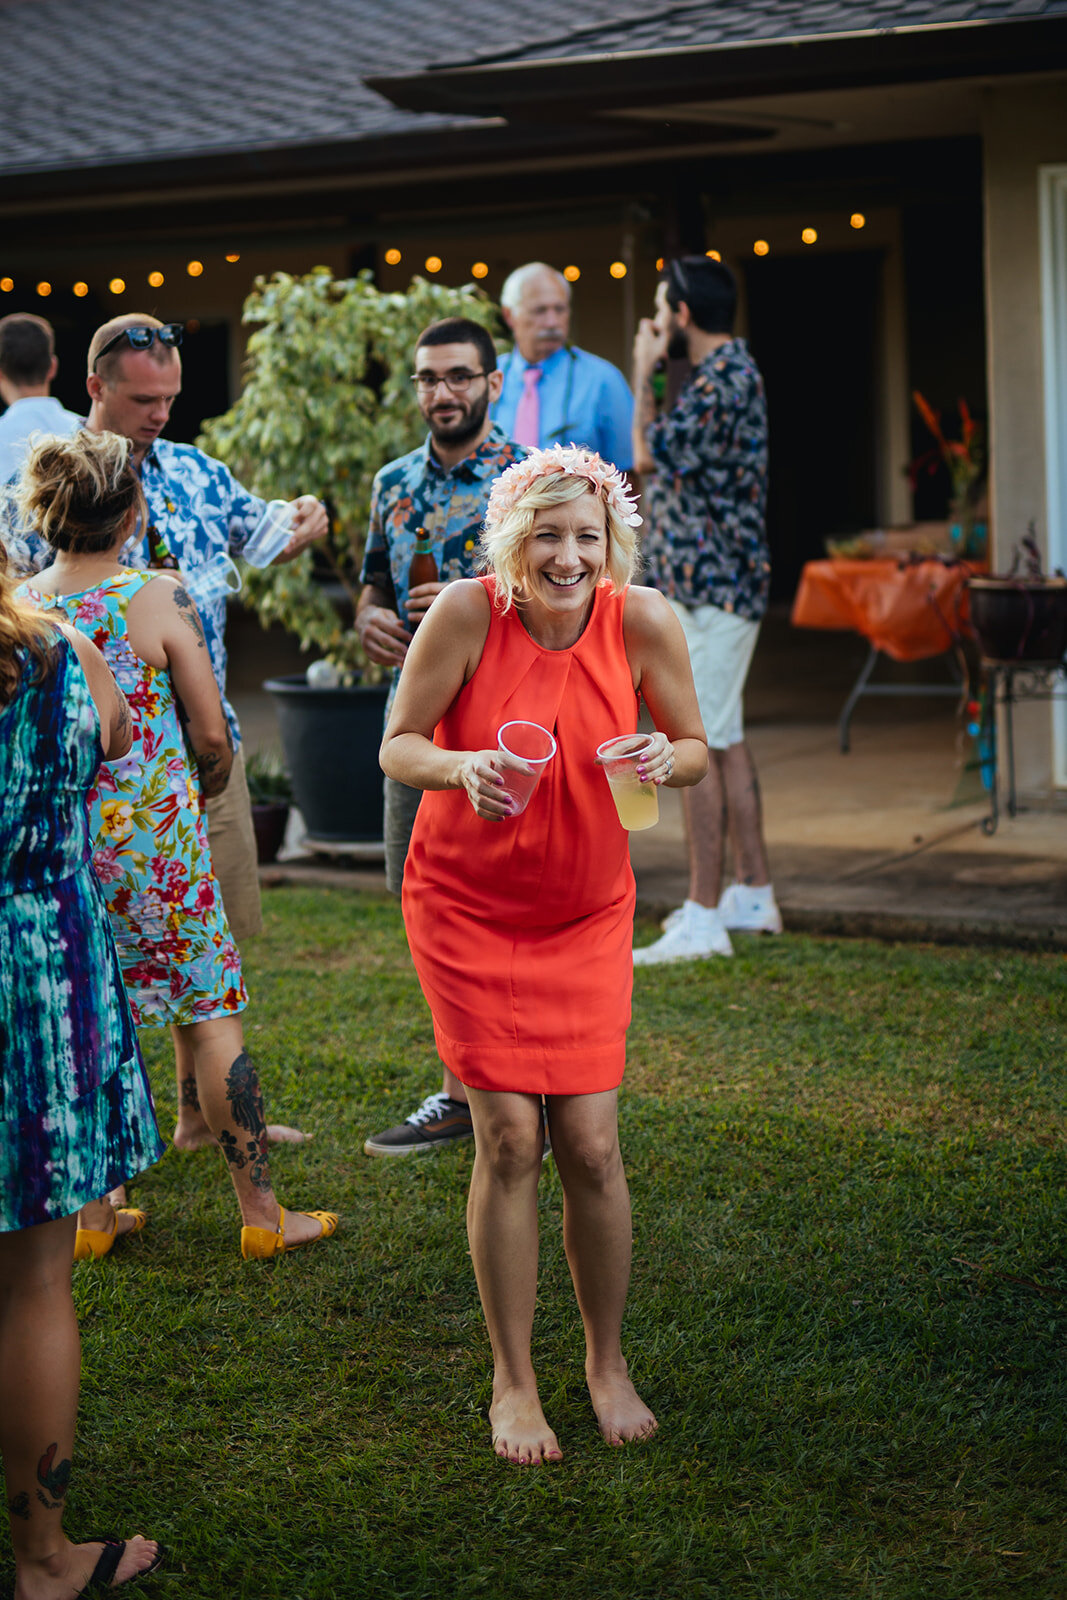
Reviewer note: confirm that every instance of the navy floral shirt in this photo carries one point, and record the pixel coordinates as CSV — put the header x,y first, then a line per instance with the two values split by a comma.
x,y
416,491
706,539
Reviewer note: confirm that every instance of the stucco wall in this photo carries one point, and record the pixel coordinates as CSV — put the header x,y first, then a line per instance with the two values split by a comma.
x,y
1024,128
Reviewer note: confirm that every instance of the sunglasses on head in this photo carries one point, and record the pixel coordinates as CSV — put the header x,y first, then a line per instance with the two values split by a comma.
x,y
143,339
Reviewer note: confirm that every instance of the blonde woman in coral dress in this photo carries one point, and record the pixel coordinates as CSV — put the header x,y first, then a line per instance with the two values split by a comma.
x,y
521,926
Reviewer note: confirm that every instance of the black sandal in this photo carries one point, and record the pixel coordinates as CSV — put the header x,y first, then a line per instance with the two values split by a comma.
x,y
108,1563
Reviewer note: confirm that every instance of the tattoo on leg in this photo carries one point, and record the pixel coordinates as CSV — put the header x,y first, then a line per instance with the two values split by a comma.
x,y
19,1505
187,1092
246,1100
51,1476
228,1145
260,1173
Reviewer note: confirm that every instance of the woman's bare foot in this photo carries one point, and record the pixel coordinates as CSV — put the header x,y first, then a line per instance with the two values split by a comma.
x,y
64,1575
301,1228
194,1134
620,1411
520,1433
103,1216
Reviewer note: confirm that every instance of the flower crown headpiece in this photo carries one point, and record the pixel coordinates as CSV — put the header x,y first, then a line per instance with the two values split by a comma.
x,y
603,479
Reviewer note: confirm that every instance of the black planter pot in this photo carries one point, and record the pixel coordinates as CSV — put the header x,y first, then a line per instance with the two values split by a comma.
x,y
331,739
269,822
1020,619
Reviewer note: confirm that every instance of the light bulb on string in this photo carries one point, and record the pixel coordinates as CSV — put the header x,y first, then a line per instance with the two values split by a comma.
x,y
572,274
156,279
479,270
393,257
81,289
713,255
44,289
7,284
433,263
618,269
761,248
857,220
117,286
194,268
234,255
809,235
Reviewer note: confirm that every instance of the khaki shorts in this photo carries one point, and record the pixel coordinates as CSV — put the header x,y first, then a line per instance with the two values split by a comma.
x,y
233,853
720,650
401,804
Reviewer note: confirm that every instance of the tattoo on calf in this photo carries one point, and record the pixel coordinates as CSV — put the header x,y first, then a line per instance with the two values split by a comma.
x,y
246,1100
228,1145
19,1505
53,1476
187,1093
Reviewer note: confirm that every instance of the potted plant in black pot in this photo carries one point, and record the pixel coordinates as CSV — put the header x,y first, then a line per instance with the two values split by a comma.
x,y
327,401
271,795
1021,618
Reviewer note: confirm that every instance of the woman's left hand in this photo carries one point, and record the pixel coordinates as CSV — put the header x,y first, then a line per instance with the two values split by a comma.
x,y
657,764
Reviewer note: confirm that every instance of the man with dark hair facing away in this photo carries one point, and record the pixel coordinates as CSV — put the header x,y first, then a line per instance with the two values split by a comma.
x,y
703,463
27,366
442,488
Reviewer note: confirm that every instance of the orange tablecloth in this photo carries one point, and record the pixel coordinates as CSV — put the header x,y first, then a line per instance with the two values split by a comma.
x,y
909,611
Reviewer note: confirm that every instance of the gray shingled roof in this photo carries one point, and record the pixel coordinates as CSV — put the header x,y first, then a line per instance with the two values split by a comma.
x,y
697,24
91,83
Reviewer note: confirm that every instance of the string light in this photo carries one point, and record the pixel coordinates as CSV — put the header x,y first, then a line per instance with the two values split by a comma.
x,y
713,255
857,220
479,270
81,289
572,274
659,263
194,268
393,257
618,269
761,248
7,284
117,286
44,289
433,263
193,325
809,235
234,256
156,279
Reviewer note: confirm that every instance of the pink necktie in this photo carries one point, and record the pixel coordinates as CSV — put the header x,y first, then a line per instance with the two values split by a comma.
x,y
527,426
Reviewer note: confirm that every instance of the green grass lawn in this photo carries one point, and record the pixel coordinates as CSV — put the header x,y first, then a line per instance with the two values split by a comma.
x,y
848,1172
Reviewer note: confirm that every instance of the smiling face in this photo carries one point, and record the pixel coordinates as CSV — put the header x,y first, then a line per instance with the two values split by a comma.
x,y
565,556
136,402
455,419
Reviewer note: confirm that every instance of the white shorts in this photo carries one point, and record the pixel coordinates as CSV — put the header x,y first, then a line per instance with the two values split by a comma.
x,y
720,650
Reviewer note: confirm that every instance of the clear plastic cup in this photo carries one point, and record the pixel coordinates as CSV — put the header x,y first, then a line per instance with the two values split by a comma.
x,y
214,580
270,534
527,748
637,803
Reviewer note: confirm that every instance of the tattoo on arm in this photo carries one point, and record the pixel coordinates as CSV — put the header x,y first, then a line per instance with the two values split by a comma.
x,y
646,403
189,614
213,773
124,721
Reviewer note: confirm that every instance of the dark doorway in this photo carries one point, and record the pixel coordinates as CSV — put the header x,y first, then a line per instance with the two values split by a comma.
x,y
812,326
205,379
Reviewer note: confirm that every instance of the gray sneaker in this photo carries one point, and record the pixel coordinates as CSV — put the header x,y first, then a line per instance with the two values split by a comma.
x,y
439,1120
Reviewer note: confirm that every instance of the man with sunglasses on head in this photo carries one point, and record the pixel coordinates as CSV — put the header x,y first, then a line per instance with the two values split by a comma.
x,y
703,465
195,508
442,487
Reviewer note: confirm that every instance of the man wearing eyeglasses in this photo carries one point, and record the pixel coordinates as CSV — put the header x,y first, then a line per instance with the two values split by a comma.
x,y
703,465
195,508
443,487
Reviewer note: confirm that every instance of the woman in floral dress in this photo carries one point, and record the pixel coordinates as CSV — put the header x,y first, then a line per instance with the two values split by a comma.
x,y
151,853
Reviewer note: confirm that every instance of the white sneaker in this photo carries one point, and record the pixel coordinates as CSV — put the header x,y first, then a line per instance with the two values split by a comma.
x,y
695,932
749,910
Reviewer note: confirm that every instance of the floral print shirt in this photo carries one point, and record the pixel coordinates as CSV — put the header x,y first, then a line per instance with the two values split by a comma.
x,y
416,491
196,507
149,835
706,540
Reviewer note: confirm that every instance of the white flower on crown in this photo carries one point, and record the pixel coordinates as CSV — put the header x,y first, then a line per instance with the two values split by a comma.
x,y
604,479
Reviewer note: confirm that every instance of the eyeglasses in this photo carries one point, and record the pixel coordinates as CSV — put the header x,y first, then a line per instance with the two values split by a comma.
x,y
457,381
143,339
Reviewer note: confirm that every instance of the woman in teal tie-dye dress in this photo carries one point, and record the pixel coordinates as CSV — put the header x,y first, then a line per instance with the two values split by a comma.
x,y
76,1114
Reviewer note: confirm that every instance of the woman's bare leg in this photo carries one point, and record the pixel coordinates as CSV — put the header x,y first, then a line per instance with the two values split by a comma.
x,y
192,1131
502,1229
228,1092
40,1364
597,1236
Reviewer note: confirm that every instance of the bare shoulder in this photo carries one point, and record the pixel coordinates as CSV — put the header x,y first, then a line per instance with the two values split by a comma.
x,y
466,601
647,615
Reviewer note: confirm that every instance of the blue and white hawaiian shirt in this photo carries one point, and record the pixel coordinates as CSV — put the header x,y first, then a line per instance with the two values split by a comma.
x,y
195,507
416,491
705,507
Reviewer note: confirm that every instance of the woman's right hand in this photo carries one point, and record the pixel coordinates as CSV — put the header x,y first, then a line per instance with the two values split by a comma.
x,y
477,774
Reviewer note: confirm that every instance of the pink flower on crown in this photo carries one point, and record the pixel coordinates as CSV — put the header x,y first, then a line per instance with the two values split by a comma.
x,y
604,479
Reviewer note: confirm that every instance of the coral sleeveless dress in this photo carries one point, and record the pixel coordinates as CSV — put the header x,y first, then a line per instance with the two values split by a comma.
x,y
521,931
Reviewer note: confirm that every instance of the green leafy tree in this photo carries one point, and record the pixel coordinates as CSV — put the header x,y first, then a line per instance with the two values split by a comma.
x,y
327,401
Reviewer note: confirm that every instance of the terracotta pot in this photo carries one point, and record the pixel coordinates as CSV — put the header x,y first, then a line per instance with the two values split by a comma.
x,y
1020,619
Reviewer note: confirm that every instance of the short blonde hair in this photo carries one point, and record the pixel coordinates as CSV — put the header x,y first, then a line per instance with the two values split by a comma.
x,y
78,492
128,319
504,540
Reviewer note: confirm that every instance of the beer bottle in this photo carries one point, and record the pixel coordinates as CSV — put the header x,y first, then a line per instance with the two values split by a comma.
x,y
159,557
423,568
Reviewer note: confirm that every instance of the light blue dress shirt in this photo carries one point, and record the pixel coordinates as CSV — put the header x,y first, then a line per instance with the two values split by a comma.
x,y
584,400
36,413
